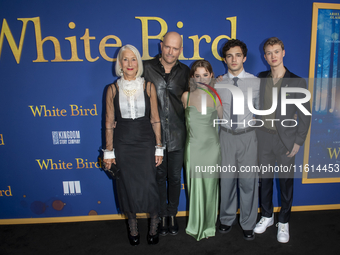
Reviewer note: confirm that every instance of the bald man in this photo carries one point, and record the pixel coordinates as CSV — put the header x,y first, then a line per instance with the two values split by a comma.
x,y
170,78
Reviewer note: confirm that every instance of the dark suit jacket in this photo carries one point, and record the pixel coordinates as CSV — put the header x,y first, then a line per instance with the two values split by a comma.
x,y
288,135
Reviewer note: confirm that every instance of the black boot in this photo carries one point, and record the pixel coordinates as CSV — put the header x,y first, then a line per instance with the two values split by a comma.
x,y
133,232
173,225
164,227
153,237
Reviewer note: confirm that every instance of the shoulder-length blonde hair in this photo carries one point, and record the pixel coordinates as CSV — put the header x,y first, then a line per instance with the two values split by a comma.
x,y
118,68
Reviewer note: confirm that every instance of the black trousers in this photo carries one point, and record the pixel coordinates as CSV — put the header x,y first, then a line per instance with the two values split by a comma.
x,y
169,182
271,150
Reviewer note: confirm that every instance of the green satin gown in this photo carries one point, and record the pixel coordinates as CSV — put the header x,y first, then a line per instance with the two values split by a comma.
x,y
202,149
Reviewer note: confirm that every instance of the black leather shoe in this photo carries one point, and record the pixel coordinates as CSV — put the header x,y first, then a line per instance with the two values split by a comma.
x,y
248,235
133,228
153,239
224,228
163,226
134,240
173,225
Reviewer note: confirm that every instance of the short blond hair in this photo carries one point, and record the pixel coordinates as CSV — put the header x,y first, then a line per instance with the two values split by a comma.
x,y
118,68
273,41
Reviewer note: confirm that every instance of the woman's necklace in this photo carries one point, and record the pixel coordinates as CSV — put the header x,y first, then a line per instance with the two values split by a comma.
x,y
129,88
130,92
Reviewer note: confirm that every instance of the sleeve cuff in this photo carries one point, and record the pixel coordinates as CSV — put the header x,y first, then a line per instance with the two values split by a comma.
x,y
159,151
109,154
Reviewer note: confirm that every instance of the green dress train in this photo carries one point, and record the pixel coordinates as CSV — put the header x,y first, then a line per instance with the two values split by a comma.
x,y
202,150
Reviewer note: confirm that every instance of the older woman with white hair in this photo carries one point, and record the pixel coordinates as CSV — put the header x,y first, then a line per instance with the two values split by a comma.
x,y
133,141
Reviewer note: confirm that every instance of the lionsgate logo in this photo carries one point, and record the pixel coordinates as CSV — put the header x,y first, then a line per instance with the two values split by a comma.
x,y
71,188
66,137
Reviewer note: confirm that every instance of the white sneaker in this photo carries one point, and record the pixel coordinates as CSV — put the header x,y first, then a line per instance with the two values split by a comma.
x,y
263,224
282,232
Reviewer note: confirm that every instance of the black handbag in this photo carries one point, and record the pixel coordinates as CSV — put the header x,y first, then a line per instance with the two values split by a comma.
x,y
114,171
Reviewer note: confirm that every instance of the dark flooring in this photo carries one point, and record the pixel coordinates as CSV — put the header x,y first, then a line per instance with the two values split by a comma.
x,y
314,232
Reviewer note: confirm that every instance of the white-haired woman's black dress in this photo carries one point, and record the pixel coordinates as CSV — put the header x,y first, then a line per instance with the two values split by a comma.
x,y
134,144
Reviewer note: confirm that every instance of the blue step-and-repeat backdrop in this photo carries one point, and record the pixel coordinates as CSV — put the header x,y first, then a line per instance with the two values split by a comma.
x,y
57,57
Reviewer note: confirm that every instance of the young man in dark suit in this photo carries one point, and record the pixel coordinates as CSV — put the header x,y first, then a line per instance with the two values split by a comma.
x,y
279,141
